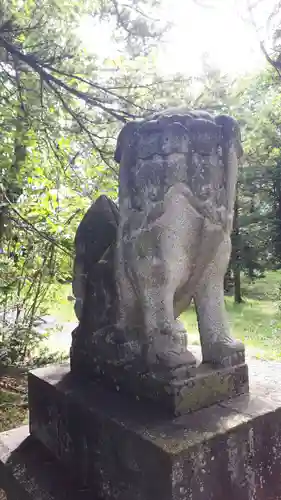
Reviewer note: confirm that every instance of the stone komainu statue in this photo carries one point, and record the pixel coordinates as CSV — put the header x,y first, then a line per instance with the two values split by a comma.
x,y
138,266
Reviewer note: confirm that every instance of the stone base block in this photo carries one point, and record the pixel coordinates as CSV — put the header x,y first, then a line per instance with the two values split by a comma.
x,y
205,384
30,472
129,450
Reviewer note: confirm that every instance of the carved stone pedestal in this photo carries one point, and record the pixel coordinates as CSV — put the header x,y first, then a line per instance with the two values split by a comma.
x,y
88,442
205,385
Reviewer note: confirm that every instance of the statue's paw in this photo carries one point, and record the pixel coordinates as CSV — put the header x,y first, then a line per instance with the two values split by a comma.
x,y
176,364
175,331
180,334
225,352
175,358
170,358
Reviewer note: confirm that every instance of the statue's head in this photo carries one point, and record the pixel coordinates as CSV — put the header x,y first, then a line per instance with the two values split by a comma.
x,y
195,121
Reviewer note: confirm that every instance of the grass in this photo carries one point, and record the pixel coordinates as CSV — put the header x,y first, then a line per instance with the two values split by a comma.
x,y
62,308
13,399
257,321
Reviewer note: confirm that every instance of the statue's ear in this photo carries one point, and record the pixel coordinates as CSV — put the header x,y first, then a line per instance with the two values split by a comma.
x,y
231,131
124,139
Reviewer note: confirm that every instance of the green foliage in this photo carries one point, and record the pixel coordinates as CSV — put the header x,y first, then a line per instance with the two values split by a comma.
x,y
27,268
261,174
255,102
60,114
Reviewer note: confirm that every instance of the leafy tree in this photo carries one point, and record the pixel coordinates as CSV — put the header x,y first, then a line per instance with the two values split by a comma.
x,y
60,112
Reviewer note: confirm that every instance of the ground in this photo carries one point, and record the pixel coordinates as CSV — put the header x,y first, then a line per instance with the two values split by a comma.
x,y
257,321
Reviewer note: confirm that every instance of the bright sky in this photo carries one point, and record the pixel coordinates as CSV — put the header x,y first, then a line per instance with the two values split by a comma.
x,y
223,31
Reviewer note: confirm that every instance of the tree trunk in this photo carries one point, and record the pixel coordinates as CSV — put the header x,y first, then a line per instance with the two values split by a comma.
x,y
237,286
277,214
228,280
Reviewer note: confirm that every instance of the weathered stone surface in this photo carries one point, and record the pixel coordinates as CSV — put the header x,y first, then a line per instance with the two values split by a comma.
x,y
95,237
109,363
177,186
169,243
125,449
28,471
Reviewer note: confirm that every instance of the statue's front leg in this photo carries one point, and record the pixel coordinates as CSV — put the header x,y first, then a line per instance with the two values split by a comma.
x,y
218,347
160,263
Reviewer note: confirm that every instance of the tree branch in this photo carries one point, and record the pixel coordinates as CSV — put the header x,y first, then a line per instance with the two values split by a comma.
x,y
106,90
39,68
34,229
81,125
275,64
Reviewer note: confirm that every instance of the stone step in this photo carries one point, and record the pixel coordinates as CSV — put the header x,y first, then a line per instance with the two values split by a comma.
x,y
29,472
